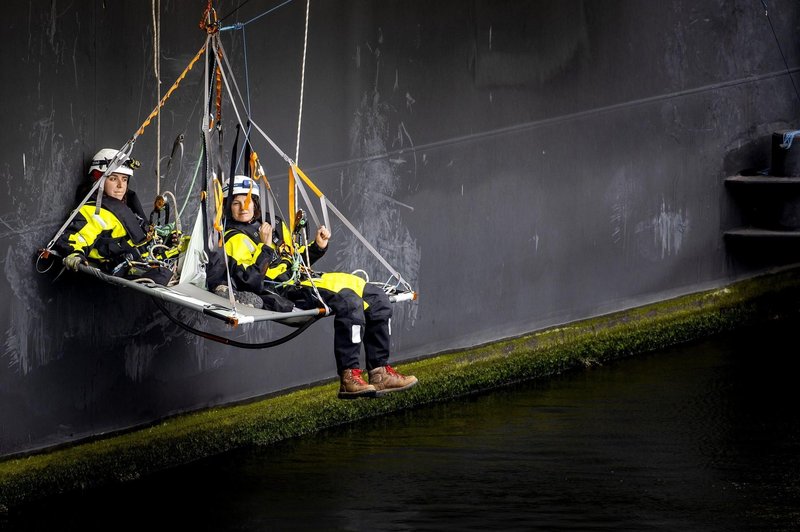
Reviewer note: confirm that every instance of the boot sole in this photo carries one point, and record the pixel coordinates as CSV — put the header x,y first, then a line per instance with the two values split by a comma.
x,y
381,393
357,395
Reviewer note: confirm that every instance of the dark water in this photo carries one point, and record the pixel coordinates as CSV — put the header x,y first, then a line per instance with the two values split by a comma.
x,y
700,437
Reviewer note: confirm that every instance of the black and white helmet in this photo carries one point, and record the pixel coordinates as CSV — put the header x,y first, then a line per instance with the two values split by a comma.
x,y
241,185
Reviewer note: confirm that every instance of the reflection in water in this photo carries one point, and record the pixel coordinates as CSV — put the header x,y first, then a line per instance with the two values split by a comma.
x,y
700,437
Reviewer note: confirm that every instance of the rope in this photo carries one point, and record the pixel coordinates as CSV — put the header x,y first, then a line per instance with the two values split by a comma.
x,y
124,152
229,341
217,45
302,83
194,178
247,89
235,10
174,206
785,62
241,25
172,89
788,137
157,71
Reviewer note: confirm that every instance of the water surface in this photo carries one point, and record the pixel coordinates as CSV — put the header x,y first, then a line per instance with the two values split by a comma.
x,y
700,437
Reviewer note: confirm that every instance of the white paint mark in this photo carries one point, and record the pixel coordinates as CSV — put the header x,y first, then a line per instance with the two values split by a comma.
x,y
490,38
462,189
397,81
619,217
669,230
74,61
358,56
662,234
376,212
51,32
390,199
619,195
24,167
410,101
403,133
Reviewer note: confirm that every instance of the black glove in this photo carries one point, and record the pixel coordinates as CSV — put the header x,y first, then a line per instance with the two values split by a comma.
x,y
173,239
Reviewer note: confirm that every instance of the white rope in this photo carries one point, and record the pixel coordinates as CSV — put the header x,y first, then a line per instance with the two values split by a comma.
x,y
302,83
216,46
157,71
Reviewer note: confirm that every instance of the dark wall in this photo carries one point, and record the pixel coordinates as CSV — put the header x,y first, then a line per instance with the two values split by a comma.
x,y
522,163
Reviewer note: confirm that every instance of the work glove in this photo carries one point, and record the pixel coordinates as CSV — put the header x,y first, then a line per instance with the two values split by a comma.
x,y
179,241
172,240
72,261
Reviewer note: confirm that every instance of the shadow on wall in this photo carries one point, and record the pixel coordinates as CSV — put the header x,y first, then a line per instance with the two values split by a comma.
x,y
527,43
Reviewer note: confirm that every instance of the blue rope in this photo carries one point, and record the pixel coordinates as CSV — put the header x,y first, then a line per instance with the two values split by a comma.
x,y
788,137
241,25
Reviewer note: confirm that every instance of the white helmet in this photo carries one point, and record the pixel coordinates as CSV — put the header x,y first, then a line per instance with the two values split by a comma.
x,y
103,158
241,185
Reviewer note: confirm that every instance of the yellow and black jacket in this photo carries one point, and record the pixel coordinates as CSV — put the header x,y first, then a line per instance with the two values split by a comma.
x,y
250,261
106,237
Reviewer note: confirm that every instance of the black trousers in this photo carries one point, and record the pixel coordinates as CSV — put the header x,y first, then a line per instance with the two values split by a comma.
x,y
352,324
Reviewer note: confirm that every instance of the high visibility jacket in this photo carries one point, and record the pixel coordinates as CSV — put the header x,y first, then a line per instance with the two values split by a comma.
x,y
251,261
107,236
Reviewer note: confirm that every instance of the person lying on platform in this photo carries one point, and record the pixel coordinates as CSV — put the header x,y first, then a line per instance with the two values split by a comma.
x,y
258,263
116,238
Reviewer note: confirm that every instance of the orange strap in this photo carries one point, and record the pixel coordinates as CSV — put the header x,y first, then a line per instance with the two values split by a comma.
x,y
218,202
307,181
256,170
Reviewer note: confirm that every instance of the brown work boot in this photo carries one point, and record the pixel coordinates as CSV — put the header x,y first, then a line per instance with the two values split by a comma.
x,y
385,379
353,386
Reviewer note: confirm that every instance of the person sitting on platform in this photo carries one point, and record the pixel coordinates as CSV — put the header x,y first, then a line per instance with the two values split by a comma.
x,y
258,263
114,238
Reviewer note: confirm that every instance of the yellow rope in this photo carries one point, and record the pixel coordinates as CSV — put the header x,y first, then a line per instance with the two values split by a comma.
x,y
172,89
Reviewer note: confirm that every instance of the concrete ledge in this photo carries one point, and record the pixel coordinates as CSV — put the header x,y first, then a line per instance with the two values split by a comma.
x,y
537,355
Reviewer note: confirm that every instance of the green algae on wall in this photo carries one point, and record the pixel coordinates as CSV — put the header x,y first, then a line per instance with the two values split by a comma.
x,y
189,437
